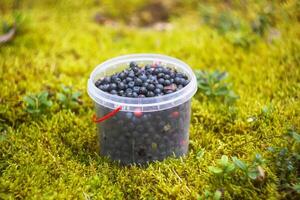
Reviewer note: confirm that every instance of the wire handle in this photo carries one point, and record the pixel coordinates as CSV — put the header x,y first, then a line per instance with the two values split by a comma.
x,y
107,116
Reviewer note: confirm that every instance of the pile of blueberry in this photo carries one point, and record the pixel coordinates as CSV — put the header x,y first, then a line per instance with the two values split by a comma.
x,y
147,81
141,137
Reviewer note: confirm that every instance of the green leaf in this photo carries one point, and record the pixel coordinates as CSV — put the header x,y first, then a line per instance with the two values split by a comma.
x,y
29,101
61,97
217,195
230,168
43,96
296,187
200,154
76,95
252,174
48,104
224,160
240,164
215,170
207,194
296,136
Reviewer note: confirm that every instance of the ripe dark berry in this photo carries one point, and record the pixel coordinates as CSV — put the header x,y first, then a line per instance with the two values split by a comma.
x,y
121,86
143,77
143,90
114,92
129,90
177,80
166,76
129,94
113,86
160,75
128,79
121,93
133,64
122,75
98,83
161,81
136,89
167,82
151,87
138,82
160,86
134,94
131,74
157,91
131,84
150,94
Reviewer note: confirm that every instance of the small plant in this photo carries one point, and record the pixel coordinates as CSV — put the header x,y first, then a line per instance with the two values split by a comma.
x,y
37,103
224,167
213,86
287,160
222,21
254,170
211,195
68,98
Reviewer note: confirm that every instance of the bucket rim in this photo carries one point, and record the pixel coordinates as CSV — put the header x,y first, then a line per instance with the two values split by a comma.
x,y
148,104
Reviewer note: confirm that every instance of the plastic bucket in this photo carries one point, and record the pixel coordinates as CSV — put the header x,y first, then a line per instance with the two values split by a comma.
x,y
142,130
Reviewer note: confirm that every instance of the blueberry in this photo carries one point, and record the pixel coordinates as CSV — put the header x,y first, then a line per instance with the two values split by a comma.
x,y
167,82
116,80
184,82
143,77
159,69
121,93
177,80
161,81
121,85
179,75
151,87
131,74
129,94
122,75
129,90
145,84
150,94
133,64
143,90
136,89
112,86
131,84
114,92
141,96
172,75
134,94
138,82
160,75
156,71
107,80
157,91
160,86
128,79
166,76
98,83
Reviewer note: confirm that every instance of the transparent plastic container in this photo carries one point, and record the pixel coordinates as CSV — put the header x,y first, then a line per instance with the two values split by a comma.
x,y
145,129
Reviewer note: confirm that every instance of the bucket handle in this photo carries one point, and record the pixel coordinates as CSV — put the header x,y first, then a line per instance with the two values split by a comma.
x,y
107,116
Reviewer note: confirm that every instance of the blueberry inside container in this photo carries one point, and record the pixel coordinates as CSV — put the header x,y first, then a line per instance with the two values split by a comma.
x,y
144,129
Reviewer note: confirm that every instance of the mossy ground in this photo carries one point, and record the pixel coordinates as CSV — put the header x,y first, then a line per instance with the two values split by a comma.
x,y
54,156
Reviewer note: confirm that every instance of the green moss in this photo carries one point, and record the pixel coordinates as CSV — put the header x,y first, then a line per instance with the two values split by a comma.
x,y
55,155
